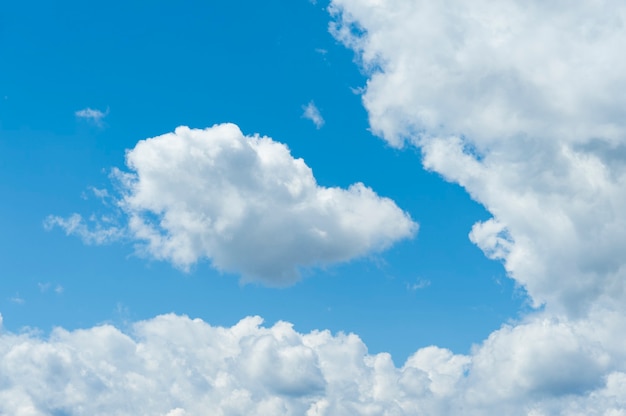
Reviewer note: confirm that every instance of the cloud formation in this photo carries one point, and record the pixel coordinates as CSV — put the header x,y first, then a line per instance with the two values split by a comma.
x,y
312,113
174,365
244,203
524,106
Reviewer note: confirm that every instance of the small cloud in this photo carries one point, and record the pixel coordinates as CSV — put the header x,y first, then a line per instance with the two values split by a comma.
x,y
358,90
95,116
17,299
312,113
321,51
44,287
420,284
100,193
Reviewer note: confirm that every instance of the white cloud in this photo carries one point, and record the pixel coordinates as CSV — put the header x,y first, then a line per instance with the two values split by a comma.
x,y
45,287
312,113
173,365
418,285
93,232
94,115
17,299
523,105
244,203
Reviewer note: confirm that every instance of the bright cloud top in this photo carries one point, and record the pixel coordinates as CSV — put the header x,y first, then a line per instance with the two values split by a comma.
x,y
173,365
312,113
94,115
524,105
244,203
490,71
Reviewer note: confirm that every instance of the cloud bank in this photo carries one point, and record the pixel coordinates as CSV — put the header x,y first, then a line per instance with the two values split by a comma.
x,y
244,203
523,105
174,365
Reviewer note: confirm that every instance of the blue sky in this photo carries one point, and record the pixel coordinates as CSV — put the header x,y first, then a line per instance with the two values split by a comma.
x,y
253,65
494,166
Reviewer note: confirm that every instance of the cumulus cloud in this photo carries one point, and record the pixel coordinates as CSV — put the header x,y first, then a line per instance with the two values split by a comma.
x,y
94,115
174,365
524,106
312,113
243,202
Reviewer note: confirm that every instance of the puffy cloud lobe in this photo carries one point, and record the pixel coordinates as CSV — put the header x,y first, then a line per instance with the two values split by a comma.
x,y
490,71
174,365
522,104
244,203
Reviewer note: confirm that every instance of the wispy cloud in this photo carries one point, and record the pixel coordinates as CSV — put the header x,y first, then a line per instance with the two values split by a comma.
x,y
44,287
76,225
420,284
93,115
312,113
17,299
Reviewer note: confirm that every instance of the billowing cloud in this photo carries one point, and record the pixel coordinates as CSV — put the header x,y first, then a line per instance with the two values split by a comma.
x,y
94,115
312,113
174,365
522,104
244,203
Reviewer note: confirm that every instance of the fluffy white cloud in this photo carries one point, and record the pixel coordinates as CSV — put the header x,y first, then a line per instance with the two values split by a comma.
x,y
312,113
244,203
174,365
524,105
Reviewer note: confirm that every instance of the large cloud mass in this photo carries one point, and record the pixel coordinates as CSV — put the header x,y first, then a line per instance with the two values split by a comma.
x,y
244,203
524,105
174,365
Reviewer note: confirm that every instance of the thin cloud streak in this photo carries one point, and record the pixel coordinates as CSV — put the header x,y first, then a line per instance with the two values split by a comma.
x,y
311,112
93,115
